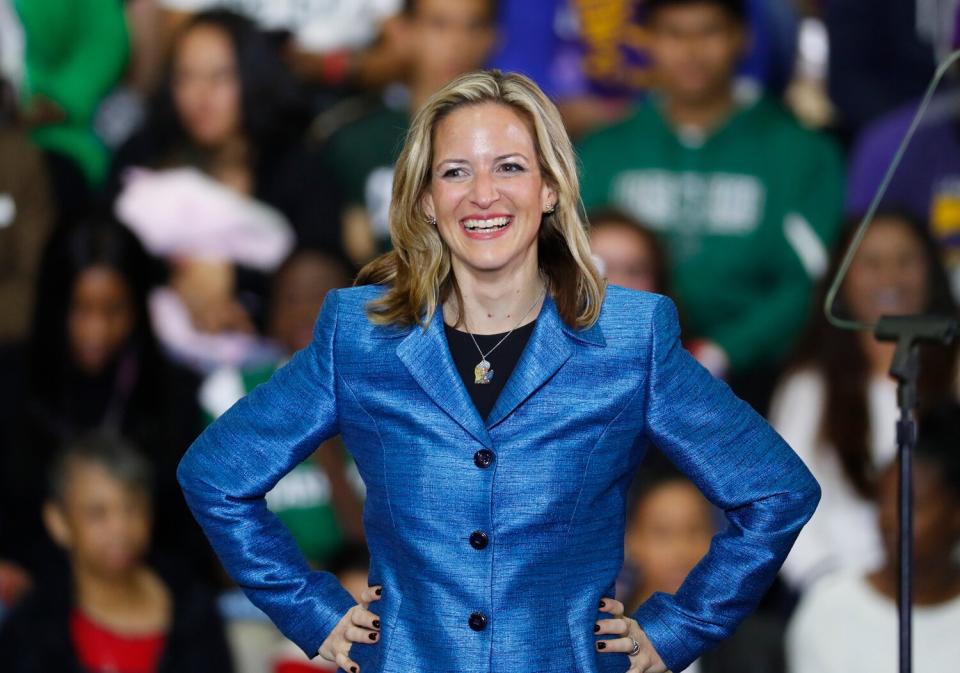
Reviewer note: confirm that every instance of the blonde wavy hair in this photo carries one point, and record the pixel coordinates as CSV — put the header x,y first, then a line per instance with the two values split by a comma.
x,y
418,268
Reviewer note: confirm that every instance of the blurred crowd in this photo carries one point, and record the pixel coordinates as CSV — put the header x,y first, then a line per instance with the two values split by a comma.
x,y
182,181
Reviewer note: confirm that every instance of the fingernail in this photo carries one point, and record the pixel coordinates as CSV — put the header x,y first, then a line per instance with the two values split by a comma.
x,y
596,627
373,636
378,591
376,623
354,669
602,603
601,645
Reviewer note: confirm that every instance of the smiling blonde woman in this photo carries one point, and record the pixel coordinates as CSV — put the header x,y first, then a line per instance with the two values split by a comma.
x,y
496,476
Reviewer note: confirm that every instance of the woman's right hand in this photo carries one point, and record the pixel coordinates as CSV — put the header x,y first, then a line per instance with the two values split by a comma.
x,y
358,625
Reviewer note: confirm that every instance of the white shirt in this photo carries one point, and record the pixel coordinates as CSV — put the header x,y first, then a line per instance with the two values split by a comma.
x,y
318,25
843,533
843,625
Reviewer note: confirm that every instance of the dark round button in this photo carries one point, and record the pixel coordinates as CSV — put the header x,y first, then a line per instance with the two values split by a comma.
x,y
478,539
483,458
478,621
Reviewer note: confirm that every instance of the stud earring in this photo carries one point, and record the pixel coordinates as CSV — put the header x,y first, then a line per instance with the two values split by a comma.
x,y
552,207
432,221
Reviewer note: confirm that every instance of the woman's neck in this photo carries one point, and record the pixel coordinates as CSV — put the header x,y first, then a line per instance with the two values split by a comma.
x,y
879,353
931,586
132,602
496,302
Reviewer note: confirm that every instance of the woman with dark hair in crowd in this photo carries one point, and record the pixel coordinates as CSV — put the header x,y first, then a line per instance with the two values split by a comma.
x,y
229,107
836,406
93,363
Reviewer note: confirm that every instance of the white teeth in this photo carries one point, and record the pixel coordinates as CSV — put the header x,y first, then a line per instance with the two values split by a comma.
x,y
487,225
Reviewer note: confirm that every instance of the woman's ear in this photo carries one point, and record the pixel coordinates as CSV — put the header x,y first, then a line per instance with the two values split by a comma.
x,y
548,198
426,203
56,523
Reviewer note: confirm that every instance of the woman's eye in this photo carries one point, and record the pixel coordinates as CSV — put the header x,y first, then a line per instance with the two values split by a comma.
x,y
511,167
453,173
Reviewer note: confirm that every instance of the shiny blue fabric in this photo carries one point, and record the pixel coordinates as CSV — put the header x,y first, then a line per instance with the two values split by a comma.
x,y
568,432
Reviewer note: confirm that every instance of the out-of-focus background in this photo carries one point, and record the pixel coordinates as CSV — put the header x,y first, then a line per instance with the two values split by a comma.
x,y
182,181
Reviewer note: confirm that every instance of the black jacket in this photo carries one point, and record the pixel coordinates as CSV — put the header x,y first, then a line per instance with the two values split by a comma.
x,y
35,637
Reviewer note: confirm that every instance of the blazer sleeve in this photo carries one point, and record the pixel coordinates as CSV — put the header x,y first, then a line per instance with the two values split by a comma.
x,y
743,467
229,468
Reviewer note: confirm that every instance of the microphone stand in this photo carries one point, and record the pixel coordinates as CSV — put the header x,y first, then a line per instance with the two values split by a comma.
x,y
909,332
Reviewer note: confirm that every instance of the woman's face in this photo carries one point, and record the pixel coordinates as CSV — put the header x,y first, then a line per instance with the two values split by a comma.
x,y
486,190
105,524
628,259
668,534
888,275
206,86
101,318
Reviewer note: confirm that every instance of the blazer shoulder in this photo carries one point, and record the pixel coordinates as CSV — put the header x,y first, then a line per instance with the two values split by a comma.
x,y
622,303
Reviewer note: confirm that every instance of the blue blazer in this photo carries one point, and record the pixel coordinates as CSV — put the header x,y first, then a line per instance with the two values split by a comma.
x,y
495,539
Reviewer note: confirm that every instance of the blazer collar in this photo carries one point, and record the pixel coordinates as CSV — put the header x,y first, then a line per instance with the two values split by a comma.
x,y
427,357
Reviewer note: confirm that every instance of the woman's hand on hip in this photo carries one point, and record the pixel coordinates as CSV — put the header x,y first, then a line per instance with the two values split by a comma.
x,y
358,625
646,660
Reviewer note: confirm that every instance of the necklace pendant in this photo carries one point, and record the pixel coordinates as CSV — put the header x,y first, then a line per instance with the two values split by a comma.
x,y
482,372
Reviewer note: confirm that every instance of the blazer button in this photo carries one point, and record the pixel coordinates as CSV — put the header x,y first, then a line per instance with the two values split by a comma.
x,y
478,539
478,621
483,458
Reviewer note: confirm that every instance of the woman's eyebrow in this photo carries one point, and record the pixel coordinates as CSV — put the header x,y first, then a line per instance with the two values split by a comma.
x,y
511,154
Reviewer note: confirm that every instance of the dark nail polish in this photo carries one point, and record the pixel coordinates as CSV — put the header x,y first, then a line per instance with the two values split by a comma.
x,y
596,627
373,636
376,623
378,591
602,603
354,669
601,645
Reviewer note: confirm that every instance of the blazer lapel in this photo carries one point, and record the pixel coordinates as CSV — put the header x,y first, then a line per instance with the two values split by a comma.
x,y
427,357
546,351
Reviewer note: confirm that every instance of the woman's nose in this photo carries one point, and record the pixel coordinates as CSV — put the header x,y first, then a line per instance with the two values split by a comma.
x,y
484,190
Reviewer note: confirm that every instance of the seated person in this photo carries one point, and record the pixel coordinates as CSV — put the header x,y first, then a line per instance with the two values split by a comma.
x,y
669,528
113,611
863,607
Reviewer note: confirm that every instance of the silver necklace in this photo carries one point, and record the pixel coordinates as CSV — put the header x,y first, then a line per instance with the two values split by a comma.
x,y
482,372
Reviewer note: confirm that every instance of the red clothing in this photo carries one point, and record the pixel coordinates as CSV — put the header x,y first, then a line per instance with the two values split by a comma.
x,y
100,650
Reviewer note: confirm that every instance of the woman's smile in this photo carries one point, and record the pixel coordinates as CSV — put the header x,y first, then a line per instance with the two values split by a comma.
x,y
483,227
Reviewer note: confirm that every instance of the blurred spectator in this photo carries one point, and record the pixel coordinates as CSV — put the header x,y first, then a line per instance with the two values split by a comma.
x,y
93,363
447,39
837,405
26,219
848,622
591,55
631,254
329,42
927,182
228,170
75,51
745,200
878,58
669,529
315,501
230,108
115,611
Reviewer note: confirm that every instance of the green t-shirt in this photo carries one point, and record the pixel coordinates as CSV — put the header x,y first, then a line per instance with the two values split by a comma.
x,y
301,499
75,53
747,214
361,155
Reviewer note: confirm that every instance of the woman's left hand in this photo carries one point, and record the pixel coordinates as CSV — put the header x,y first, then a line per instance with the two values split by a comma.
x,y
646,660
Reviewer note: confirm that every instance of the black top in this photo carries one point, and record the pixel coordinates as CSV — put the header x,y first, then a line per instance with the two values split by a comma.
x,y
502,361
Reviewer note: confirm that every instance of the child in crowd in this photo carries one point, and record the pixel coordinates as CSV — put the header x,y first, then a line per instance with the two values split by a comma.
x,y
863,607
669,529
116,611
